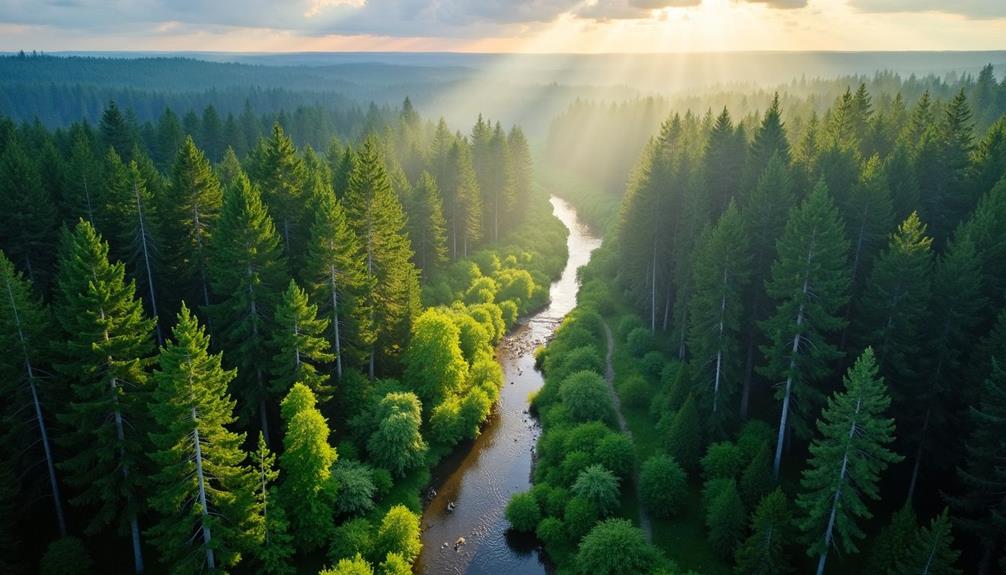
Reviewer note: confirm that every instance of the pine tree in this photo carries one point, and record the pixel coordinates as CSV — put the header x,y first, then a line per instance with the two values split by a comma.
x,y
894,306
765,212
116,131
306,462
868,217
379,222
81,188
846,461
684,435
249,268
273,544
764,551
954,310
521,172
769,141
427,227
724,162
981,507
131,207
932,553
29,220
106,346
335,275
203,493
300,345
169,139
809,284
892,545
190,217
281,176
463,200
721,271
24,327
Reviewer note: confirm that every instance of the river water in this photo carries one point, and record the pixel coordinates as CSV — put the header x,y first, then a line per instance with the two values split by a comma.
x,y
481,476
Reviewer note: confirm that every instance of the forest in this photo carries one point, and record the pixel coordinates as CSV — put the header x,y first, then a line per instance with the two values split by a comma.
x,y
805,338
229,352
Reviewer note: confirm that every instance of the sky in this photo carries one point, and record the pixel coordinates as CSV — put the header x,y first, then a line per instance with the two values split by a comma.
x,y
515,26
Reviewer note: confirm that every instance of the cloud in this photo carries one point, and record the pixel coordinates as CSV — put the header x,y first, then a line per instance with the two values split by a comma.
x,y
628,9
777,4
969,8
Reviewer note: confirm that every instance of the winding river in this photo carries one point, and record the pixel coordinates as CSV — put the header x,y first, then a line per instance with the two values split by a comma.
x,y
481,478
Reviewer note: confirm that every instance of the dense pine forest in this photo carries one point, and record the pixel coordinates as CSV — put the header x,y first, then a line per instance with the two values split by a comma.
x,y
241,344
788,355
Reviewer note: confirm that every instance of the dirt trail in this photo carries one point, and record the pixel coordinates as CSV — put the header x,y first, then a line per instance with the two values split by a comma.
x,y
609,377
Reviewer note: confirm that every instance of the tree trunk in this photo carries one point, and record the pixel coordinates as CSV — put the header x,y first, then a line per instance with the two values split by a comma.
x,y
719,351
838,492
211,563
335,321
37,405
146,261
918,457
783,419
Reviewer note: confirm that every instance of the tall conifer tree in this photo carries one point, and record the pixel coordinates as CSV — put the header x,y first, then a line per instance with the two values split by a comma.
x,y
300,345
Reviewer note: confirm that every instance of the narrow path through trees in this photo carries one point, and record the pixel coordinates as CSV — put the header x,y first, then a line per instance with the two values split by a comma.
x,y
609,378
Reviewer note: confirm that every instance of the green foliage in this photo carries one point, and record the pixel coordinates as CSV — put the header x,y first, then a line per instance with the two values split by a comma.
x,y
198,458
846,460
764,551
354,486
394,564
756,479
66,556
434,364
249,271
104,349
350,566
617,454
579,517
398,533
683,439
663,485
635,392
586,395
551,532
307,460
600,487
613,547
427,225
722,460
523,512
933,550
639,341
300,344
396,443
273,544
726,518
892,545
354,537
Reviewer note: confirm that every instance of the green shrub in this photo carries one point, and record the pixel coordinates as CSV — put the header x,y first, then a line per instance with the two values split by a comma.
x,y
353,537
551,532
756,479
578,517
617,453
652,365
635,392
639,341
399,533
723,459
726,519
355,487
614,547
586,396
523,512
572,464
66,556
586,358
753,435
683,439
510,312
556,501
626,325
585,436
599,486
663,485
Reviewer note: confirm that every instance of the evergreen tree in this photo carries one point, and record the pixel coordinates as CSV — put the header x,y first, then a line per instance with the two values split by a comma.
x,y
981,507
335,275
190,215
273,543
24,327
769,140
427,225
105,348
846,461
396,443
725,518
201,490
684,435
379,222
765,212
169,139
894,542
281,176
300,345
954,310
809,284
894,306
306,462
81,187
868,218
902,181
724,162
521,174
116,131
29,220
248,267
764,551
721,271
462,198
932,553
